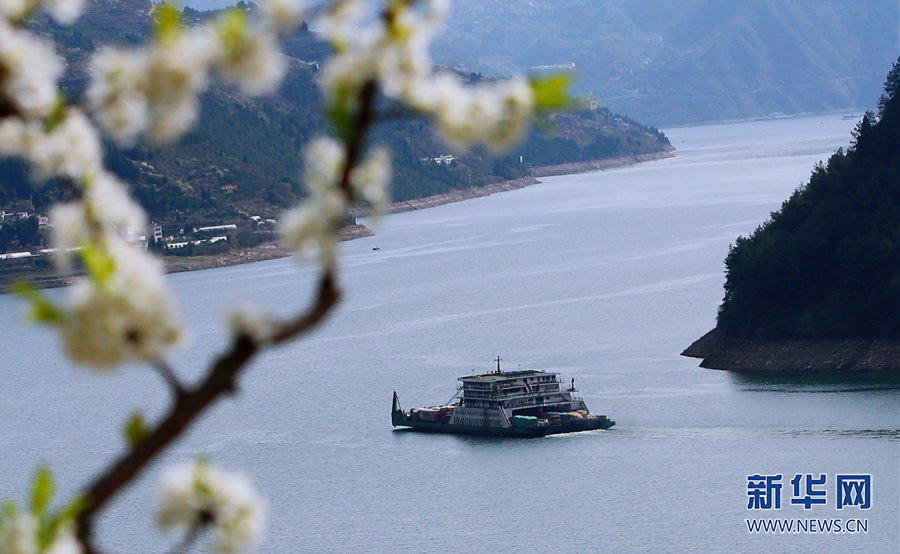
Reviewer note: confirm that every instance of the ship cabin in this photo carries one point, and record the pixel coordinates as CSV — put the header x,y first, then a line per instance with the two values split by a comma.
x,y
514,391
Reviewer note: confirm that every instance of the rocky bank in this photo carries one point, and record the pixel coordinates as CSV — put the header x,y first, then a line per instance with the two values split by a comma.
x,y
746,355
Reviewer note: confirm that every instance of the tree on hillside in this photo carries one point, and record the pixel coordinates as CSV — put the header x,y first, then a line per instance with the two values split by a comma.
x,y
827,264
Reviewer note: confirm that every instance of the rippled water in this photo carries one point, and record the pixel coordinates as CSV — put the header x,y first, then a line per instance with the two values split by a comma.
x,y
603,277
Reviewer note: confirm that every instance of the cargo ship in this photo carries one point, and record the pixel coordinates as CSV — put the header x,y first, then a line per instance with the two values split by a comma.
x,y
524,403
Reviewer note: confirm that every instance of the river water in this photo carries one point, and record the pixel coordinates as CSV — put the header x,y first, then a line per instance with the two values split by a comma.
x,y
602,277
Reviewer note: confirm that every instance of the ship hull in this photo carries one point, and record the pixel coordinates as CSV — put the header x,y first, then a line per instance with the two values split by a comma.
x,y
399,419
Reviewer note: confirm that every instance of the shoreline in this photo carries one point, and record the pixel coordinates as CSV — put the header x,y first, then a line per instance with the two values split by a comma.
x,y
600,165
452,196
41,272
792,356
46,276
515,184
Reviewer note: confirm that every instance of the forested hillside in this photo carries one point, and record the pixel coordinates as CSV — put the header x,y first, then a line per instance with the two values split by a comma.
x,y
827,264
243,156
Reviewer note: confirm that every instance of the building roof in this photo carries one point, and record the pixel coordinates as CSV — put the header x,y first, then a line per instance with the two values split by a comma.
x,y
504,375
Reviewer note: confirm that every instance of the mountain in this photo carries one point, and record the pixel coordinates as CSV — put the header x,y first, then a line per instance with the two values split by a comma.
x,y
827,264
689,61
243,156
817,286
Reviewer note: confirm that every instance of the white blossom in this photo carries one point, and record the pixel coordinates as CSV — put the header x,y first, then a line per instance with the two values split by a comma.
x,y
118,92
323,162
13,134
111,205
18,535
153,89
344,76
494,113
178,71
179,501
341,21
71,149
104,208
403,66
314,224
394,53
65,543
69,230
65,12
127,314
251,58
370,178
253,321
191,490
283,15
29,71
14,9
518,107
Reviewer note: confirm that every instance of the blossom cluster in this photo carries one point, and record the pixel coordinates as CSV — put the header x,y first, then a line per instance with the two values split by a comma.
x,y
38,531
315,224
20,534
193,493
155,89
65,12
393,52
123,309
389,54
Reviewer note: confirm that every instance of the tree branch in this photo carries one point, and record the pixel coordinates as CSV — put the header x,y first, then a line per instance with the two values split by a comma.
x,y
363,120
190,403
220,380
169,376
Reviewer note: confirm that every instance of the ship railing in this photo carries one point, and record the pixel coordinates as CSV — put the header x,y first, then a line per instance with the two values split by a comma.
x,y
497,395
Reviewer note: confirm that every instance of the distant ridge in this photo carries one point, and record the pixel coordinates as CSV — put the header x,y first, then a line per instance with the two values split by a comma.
x,y
689,61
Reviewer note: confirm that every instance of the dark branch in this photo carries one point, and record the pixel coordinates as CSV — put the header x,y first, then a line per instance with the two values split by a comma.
x,y
221,379
169,376
188,406
397,112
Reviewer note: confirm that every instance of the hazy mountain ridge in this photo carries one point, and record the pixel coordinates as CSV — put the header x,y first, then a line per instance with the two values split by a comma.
x,y
691,61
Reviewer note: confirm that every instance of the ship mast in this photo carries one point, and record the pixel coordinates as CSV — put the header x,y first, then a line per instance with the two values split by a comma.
x,y
498,364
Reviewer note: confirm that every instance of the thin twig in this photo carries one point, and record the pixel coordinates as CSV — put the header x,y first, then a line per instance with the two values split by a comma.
x,y
165,370
363,120
222,376
220,380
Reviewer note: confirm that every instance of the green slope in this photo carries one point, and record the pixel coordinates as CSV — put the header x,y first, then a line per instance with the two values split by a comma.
x,y
827,264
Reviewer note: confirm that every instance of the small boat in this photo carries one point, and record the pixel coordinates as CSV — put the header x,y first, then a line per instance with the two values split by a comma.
x,y
524,403
376,248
